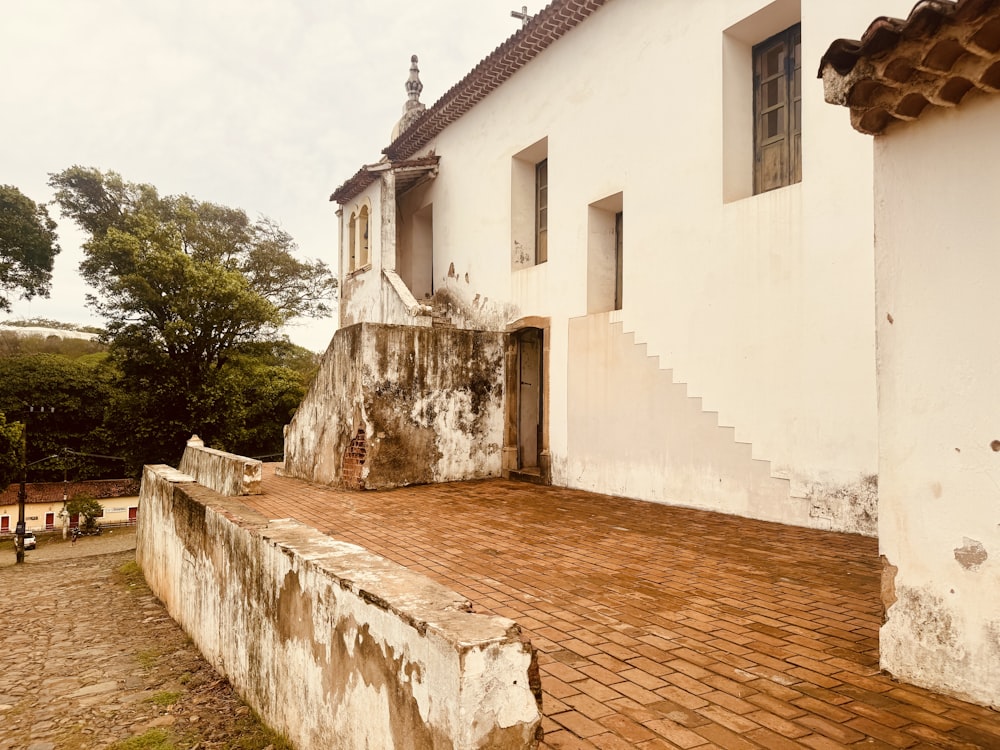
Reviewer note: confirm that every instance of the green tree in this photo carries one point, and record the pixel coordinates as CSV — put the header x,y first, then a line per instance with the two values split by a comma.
x,y
88,509
28,246
69,399
186,288
11,442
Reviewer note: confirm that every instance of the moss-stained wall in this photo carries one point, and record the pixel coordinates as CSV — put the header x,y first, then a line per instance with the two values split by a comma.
x,y
226,473
333,646
398,405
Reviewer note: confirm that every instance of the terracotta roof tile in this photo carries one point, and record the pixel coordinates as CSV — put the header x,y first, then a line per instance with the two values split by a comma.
x,y
941,52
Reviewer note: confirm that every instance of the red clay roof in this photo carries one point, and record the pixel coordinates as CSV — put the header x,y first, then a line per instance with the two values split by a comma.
x,y
548,25
943,50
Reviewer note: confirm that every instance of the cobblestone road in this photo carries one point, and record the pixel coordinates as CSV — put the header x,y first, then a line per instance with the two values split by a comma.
x,y
89,658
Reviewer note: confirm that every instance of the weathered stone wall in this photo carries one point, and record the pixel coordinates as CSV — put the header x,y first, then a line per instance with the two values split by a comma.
x,y
415,404
333,646
226,473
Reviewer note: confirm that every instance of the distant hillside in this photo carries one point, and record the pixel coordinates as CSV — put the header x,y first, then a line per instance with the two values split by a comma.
x,y
49,329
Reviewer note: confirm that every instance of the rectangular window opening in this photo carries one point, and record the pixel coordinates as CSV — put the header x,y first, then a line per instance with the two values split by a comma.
x,y
605,254
619,228
529,206
542,211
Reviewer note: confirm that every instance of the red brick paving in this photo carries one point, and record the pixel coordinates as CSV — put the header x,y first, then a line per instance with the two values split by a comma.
x,y
659,627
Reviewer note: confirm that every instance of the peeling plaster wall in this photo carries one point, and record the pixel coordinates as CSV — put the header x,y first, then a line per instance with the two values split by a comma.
x,y
333,646
466,309
226,473
842,506
429,403
361,289
938,270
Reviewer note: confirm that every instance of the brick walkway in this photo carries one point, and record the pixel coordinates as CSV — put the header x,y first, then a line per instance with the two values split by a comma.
x,y
660,627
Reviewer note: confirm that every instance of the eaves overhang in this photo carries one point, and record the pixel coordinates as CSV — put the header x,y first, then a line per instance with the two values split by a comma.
x,y
409,173
900,68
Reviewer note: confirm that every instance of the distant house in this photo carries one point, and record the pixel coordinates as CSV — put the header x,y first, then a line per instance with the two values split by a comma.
x,y
46,501
630,252
926,88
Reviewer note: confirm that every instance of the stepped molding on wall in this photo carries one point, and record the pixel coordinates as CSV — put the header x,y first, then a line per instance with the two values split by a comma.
x,y
642,435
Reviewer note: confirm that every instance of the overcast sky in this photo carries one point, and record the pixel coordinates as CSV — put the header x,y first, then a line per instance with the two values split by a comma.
x,y
264,105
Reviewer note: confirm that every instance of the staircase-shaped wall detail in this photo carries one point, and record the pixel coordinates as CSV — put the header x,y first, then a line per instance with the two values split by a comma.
x,y
634,431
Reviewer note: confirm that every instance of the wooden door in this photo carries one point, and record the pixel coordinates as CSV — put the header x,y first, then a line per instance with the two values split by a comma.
x,y
529,418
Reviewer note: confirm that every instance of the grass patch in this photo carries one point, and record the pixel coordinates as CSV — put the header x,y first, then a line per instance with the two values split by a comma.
x,y
153,739
130,574
147,657
261,738
130,568
164,698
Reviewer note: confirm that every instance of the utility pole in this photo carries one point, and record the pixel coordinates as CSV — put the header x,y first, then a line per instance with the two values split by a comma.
x,y
22,497
22,492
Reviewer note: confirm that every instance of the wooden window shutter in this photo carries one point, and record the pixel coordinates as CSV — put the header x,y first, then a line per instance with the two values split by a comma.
x,y
777,101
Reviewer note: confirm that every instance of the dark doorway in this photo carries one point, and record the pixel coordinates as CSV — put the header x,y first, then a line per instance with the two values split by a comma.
x,y
529,399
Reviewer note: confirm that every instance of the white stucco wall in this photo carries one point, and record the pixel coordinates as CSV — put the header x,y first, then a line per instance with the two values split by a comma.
x,y
761,305
333,646
938,269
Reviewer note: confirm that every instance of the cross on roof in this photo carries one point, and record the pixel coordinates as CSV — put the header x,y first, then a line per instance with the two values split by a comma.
x,y
522,14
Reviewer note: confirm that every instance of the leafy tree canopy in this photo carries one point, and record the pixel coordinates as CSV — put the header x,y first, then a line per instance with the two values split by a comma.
x,y
11,443
193,294
86,507
188,279
28,246
62,401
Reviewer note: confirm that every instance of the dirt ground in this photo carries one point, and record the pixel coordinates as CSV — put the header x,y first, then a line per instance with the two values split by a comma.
x,y
90,659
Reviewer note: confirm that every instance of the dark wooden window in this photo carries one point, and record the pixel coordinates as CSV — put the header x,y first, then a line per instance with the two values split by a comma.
x,y
542,211
777,109
619,246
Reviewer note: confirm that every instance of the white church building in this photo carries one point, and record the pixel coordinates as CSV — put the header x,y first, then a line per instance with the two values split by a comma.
x,y
634,252
659,237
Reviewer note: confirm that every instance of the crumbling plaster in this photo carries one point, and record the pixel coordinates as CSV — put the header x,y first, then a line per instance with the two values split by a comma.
x,y
226,473
938,366
429,402
333,646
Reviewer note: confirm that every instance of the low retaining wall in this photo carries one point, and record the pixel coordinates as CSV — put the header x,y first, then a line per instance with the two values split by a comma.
x,y
330,644
226,473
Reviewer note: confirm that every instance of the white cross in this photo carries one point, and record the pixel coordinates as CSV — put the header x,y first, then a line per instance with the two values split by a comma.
x,y
523,15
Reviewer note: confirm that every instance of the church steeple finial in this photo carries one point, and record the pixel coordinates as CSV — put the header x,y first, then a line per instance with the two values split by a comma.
x,y
413,107
413,85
